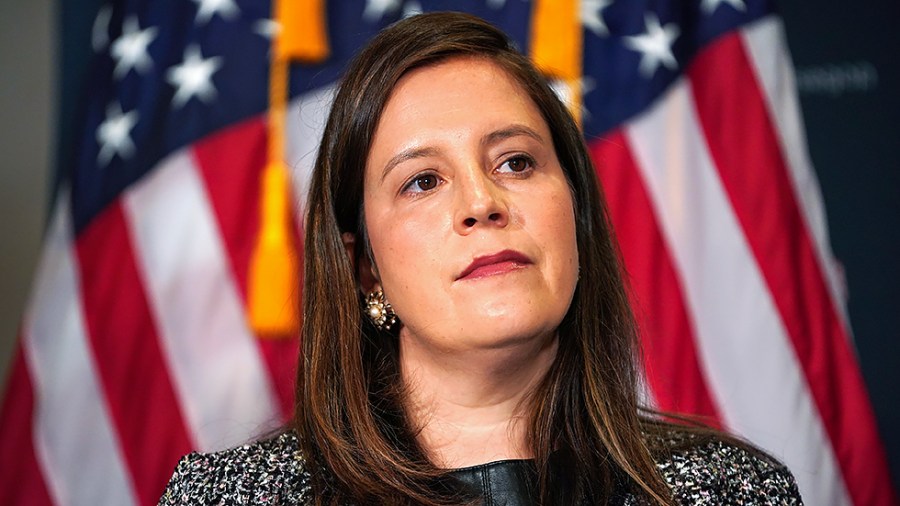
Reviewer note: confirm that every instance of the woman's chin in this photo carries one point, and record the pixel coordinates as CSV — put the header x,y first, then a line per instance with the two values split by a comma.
x,y
501,333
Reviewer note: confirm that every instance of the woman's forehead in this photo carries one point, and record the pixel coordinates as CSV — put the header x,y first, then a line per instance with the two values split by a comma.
x,y
441,79
458,96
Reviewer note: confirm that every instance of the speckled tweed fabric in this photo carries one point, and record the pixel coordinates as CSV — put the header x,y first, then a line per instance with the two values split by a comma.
x,y
271,472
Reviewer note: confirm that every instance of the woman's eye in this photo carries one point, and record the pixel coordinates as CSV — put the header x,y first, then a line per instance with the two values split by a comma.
x,y
518,163
422,183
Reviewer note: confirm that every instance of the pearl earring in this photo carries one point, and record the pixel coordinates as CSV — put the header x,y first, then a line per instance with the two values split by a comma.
x,y
379,310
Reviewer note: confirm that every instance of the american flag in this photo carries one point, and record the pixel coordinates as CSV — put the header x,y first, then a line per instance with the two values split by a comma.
x,y
136,348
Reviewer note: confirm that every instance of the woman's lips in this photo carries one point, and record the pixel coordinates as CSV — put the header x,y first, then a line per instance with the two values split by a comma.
x,y
498,263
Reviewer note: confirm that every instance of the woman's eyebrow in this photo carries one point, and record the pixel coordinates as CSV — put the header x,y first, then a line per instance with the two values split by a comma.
x,y
508,132
407,154
487,140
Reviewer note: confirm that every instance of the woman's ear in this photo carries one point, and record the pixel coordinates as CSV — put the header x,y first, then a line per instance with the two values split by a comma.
x,y
361,265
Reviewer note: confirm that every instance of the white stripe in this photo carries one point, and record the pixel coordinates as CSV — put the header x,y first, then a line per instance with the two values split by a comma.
x,y
745,349
219,375
767,50
75,440
306,118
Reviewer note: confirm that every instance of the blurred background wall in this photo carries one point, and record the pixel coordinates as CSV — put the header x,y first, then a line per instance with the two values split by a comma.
x,y
847,58
28,99
848,70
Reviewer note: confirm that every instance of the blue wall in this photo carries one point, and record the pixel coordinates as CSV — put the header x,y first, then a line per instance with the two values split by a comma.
x,y
847,57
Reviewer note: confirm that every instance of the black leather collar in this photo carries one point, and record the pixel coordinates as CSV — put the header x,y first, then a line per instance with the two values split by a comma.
x,y
503,483
514,483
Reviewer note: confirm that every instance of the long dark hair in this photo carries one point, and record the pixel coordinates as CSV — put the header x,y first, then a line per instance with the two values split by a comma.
x,y
358,443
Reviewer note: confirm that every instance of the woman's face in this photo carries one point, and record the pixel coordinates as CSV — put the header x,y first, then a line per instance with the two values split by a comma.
x,y
468,211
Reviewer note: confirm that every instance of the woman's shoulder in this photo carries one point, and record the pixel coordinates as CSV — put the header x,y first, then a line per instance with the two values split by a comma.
x,y
709,469
270,471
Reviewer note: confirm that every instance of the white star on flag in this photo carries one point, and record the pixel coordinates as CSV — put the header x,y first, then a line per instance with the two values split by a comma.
x,y
709,6
496,4
267,28
592,16
193,77
411,8
376,9
655,45
227,9
130,49
564,91
114,134
100,29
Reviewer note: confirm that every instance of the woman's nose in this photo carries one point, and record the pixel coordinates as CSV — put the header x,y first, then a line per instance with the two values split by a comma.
x,y
480,203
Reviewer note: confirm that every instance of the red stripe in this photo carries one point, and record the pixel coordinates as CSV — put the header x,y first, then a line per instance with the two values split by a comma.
x,y
671,359
131,366
745,149
231,162
21,479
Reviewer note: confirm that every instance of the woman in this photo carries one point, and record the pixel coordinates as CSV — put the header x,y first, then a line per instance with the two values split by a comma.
x,y
466,336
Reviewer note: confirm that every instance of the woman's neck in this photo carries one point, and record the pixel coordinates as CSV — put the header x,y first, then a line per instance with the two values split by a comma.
x,y
473,407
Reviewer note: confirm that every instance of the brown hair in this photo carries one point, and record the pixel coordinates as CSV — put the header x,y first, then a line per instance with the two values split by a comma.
x,y
357,441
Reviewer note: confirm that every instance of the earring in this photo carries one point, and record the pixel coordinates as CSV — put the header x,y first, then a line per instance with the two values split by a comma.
x,y
379,310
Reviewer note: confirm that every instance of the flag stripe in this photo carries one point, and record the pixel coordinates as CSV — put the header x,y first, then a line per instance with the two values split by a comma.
x,y
21,481
125,345
748,355
765,44
306,119
81,467
231,162
672,362
758,185
221,380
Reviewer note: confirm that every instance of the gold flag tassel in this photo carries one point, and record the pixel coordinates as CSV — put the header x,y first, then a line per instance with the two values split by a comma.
x,y
556,47
274,266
